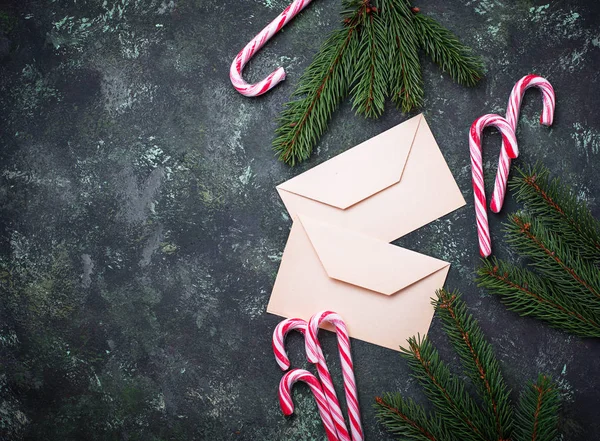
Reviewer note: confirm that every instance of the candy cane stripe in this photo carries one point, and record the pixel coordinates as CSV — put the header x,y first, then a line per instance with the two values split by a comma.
x,y
483,232
512,117
239,62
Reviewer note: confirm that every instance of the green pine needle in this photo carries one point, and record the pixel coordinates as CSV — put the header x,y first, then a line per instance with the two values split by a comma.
x,y
404,68
561,241
554,259
563,212
370,87
375,54
528,294
447,51
457,415
321,88
408,420
479,362
537,418
445,391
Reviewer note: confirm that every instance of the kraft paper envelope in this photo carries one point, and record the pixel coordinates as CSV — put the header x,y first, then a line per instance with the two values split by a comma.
x,y
385,187
345,211
382,291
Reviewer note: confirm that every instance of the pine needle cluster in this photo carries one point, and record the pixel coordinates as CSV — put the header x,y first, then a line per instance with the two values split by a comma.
x,y
560,239
458,416
374,55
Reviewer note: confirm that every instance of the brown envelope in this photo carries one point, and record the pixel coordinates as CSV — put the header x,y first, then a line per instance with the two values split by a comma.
x,y
345,212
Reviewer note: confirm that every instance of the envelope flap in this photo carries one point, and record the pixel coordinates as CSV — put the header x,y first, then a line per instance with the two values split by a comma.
x,y
360,260
360,172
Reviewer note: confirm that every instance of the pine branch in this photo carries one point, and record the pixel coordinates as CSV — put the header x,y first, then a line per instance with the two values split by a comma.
x,y
553,258
406,419
526,293
563,212
478,359
370,84
447,51
320,90
404,67
537,414
453,404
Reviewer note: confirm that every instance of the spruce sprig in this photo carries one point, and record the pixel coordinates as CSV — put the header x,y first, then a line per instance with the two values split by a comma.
x,y
320,90
529,294
370,88
447,51
457,415
477,357
537,415
558,235
373,55
404,68
560,208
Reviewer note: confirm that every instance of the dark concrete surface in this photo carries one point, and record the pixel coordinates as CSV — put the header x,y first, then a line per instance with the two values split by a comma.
x,y
141,232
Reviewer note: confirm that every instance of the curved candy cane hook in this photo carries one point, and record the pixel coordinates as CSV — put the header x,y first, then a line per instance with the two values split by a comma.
x,y
512,116
287,404
235,72
279,334
510,140
315,355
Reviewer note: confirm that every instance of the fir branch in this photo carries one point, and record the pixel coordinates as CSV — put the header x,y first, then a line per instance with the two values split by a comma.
x,y
478,359
447,51
560,208
406,419
553,258
446,392
320,90
537,413
370,84
526,293
404,68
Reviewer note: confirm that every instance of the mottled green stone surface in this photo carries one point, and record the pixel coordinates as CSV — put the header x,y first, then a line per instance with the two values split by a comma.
x,y
141,233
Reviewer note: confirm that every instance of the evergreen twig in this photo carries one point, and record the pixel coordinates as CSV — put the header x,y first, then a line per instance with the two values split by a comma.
x,y
560,238
373,55
562,211
445,391
554,258
404,418
457,417
447,51
528,294
321,88
369,88
537,418
405,78
478,359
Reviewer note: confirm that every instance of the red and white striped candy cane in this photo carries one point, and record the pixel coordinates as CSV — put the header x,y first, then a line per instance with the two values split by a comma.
x,y
235,72
279,334
510,140
287,404
315,355
512,116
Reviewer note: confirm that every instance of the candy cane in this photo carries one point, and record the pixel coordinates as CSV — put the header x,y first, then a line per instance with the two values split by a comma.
x,y
510,140
315,355
287,404
512,116
279,334
235,72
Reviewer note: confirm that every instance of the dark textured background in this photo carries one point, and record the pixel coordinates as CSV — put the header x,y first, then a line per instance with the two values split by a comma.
x,y
141,232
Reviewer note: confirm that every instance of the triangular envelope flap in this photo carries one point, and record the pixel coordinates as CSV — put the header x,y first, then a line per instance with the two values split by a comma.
x,y
366,262
359,172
